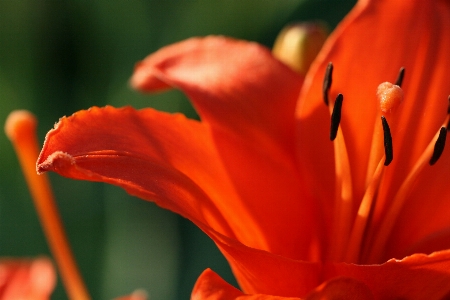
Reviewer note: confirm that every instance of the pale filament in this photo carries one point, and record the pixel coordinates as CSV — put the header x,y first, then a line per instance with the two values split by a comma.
x,y
344,192
344,198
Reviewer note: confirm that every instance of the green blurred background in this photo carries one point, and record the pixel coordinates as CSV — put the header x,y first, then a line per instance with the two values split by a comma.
x,y
57,57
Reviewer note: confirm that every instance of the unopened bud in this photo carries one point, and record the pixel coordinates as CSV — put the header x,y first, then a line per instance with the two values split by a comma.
x,y
298,44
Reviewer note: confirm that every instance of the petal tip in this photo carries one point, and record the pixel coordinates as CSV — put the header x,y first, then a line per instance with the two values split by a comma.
x,y
57,161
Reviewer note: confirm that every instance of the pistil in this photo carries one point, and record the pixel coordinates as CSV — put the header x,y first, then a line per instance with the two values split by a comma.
x,y
20,128
390,97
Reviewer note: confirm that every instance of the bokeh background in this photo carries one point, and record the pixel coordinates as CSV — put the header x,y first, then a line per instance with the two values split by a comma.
x,y
57,57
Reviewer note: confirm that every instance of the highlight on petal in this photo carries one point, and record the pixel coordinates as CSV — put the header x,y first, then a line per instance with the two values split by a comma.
x,y
27,279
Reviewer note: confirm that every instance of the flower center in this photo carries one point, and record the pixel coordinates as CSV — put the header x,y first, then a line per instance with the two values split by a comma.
x,y
349,239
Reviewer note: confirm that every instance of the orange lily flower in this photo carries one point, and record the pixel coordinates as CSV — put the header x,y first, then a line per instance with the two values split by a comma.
x,y
295,214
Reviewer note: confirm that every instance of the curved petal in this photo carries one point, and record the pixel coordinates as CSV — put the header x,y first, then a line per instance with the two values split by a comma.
x,y
156,156
235,86
415,277
173,161
248,97
211,286
262,272
368,48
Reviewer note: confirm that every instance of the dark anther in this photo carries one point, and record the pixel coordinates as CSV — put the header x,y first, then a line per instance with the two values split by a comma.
x,y
448,113
336,116
439,146
327,82
388,150
448,107
400,76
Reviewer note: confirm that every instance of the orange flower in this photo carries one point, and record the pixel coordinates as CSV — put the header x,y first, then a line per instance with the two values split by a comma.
x,y
295,214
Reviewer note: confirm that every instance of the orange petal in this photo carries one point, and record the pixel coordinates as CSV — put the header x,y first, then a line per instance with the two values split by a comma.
x,y
424,222
211,286
235,85
156,156
369,47
341,288
174,161
261,272
415,277
248,97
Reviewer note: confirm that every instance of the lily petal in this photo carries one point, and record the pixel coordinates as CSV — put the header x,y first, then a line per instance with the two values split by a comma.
x,y
252,139
262,272
248,98
423,225
235,85
415,277
156,156
341,288
140,152
211,286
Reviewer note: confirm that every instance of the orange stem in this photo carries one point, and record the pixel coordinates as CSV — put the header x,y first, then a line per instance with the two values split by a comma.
x,y
20,128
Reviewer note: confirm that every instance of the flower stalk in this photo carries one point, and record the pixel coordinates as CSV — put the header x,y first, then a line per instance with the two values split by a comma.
x,y
20,128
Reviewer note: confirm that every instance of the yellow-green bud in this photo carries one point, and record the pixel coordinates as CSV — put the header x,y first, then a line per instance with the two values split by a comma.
x,y
298,44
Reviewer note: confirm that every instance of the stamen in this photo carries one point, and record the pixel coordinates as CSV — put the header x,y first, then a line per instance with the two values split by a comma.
x,y
344,194
388,149
390,97
20,127
327,82
362,217
401,74
402,194
448,112
336,116
439,146
448,106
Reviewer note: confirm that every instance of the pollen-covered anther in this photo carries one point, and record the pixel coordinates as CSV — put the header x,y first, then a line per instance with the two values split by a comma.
x,y
390,96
